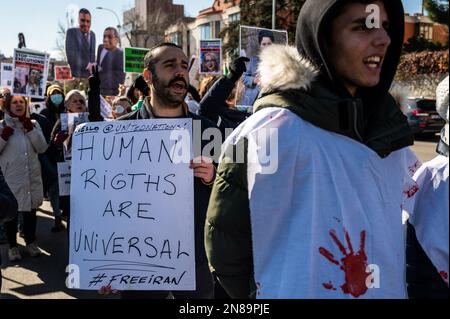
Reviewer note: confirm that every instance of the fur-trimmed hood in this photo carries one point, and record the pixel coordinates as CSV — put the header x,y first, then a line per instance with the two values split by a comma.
x,y
282,68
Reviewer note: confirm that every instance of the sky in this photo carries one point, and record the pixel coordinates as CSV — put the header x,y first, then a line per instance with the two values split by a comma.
x,y
38,20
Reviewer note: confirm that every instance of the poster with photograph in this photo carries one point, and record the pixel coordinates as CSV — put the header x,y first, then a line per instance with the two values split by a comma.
x,y
252,42
63,73
30,70
69,122
6,75
210,56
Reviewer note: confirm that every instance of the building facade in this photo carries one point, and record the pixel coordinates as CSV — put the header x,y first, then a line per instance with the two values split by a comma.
x,y
207,25
420,25
146,23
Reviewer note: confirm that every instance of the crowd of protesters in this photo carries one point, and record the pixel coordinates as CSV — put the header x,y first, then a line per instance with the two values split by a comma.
x,y
343,162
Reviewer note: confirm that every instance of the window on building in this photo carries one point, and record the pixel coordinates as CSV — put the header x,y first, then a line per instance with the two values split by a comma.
x,y
235,17
188,43
205,31
217,29
426,31
176,38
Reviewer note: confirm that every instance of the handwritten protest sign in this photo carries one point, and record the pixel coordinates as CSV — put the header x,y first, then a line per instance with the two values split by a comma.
x,y
30,73
134,59
6,75
211,56
63,73
64,178
132,206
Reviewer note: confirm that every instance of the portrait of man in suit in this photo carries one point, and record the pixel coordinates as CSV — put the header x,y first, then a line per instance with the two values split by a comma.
x,y
110,63
80,46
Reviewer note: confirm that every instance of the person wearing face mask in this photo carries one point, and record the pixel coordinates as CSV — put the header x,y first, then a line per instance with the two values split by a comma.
x,y
21,140
54,107
121,106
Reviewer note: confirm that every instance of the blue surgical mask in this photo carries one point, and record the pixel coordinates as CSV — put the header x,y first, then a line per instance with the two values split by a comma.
x,y
56,99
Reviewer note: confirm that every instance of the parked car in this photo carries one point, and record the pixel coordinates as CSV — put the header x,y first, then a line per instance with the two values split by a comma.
x,y
422,116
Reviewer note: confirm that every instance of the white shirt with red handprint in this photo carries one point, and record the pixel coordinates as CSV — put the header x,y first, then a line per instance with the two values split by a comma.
x,y
326,211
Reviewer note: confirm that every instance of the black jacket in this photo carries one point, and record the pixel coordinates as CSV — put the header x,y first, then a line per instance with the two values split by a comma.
x,y
214,107
8,203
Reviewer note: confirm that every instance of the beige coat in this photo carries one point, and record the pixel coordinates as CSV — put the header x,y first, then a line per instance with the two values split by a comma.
x,y
20,164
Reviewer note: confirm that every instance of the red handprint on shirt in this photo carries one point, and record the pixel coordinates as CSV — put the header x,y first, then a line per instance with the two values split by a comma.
x,y
354,265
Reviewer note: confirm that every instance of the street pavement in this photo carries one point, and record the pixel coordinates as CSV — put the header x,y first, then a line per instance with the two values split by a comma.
x,y
44,277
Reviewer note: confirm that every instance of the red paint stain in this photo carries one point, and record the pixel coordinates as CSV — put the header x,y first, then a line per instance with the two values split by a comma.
x,y
411,191
444,276
328,255
328,286
354,265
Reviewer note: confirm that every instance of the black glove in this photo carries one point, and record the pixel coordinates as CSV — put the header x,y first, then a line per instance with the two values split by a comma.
x,y
237,68
94,80
142,85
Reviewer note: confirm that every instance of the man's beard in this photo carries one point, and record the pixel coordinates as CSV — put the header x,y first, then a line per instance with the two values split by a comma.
x,y
165,95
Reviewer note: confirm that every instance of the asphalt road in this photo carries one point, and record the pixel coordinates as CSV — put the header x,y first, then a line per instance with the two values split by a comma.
x,y
44,277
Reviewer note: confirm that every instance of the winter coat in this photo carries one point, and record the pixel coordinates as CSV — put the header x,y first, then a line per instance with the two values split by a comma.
x,y
20,164
302,93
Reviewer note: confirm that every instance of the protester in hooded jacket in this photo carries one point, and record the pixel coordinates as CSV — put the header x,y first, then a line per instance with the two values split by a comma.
x,y
21,140
428,252
216,104
54,107
8,208
328,135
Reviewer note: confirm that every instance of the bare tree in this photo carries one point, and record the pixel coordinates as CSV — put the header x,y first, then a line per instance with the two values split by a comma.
x,y
61,39
147,32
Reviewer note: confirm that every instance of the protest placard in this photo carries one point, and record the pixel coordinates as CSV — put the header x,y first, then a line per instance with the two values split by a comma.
x,y
63,73
30,71
252,42
64,175
7,75
37,107
132,206
210,56
134,60
69,121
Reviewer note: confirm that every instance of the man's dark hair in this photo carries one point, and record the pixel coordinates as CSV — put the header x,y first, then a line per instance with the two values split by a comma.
x,y
84,11
265,34
114,30
150,59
